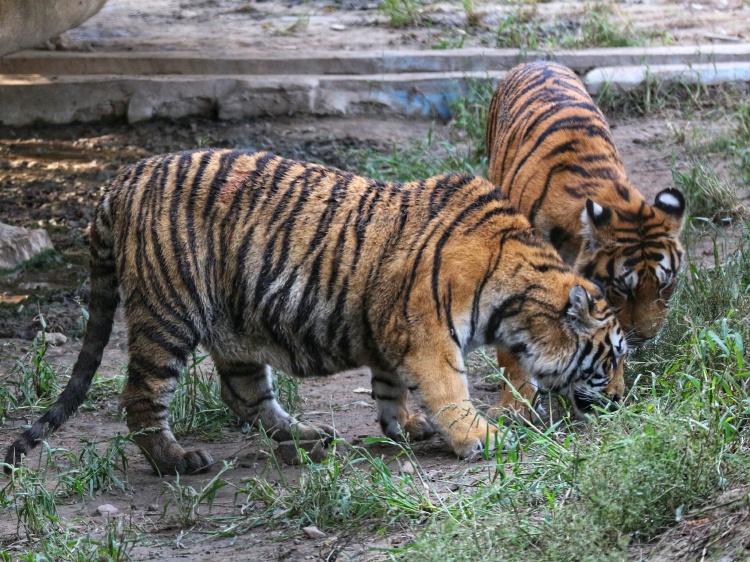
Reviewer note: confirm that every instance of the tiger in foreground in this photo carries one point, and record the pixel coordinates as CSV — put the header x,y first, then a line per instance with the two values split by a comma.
x,y
551,153
267,261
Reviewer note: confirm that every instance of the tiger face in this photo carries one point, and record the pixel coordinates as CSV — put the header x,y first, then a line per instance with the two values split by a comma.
x,y
635,256
574,348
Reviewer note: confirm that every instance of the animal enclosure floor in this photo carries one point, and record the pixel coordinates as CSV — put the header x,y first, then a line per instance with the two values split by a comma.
x,y
51,177
357,25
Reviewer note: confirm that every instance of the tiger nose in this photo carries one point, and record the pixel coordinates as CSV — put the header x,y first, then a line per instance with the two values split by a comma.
x,y
614,398
605,401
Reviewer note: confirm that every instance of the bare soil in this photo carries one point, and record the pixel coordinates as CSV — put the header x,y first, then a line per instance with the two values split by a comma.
x,y
356,25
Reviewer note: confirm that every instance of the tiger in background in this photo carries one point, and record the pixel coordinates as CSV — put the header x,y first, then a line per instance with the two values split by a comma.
x,y
267,261
551,153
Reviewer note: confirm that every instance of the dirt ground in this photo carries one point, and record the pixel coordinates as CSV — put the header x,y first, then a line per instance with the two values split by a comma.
x,y
355,25
51,177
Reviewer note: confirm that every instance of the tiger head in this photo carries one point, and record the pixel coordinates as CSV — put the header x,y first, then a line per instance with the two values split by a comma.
x,y
634,255
569,341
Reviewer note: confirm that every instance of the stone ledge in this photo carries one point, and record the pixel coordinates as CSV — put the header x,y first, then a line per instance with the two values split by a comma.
x,y
25,100
352,63
626,78
63,98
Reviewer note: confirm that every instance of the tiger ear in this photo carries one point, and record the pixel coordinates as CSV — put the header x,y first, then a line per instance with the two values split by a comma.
x,y
596,222
672,203
578,308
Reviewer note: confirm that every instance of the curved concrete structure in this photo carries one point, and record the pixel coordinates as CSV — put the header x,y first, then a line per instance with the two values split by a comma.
x,y
25,23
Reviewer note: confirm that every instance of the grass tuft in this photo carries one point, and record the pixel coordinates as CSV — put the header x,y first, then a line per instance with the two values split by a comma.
x,y
402,13
708,195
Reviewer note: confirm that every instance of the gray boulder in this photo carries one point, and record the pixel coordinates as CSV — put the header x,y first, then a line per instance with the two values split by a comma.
x,y
18,244
26,23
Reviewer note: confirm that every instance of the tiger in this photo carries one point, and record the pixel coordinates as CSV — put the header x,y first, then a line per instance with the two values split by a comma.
x,y
265,261
550,151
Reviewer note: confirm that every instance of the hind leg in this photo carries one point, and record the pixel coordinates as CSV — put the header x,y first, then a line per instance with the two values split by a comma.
x,y
518,392
395,421
156,361
247,389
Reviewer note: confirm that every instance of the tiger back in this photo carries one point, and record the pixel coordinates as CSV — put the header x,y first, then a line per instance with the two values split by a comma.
x,y
267,262
551,153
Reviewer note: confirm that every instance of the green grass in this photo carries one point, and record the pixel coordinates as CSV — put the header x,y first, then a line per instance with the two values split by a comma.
x,y
599,29
462,151
600,25
402,13
708,195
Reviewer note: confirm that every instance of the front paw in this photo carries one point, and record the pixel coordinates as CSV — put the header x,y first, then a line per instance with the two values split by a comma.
x,y
419,428
478,444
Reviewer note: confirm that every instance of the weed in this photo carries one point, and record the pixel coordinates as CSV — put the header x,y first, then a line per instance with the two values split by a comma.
x,y
599,30
34,377
402,13
187,499
286,389
682,94
93,472
344,489
35,506
40,261
455,42
299,25
707,194
473,18
519,31
197,405
463,151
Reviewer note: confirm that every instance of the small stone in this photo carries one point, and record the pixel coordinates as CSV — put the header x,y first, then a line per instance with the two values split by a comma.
x,y
313,532
338,27
152,508
107,510
34,286
287,450
53,338
407,468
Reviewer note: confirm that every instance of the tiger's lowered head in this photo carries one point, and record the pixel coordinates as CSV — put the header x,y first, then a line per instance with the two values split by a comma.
x,y
266,261
551,153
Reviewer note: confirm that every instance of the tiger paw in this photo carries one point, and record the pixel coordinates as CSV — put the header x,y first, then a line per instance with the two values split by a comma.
x,y
314,432
419,428
477,443
188,462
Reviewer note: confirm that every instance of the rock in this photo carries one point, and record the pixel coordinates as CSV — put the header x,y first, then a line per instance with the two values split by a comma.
x,y
407,468
313,532
25,23
34,286
53,338
287,450
18,244
338,27
107,510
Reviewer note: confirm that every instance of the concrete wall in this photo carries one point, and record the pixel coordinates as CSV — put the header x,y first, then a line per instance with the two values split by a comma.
x,y
26,23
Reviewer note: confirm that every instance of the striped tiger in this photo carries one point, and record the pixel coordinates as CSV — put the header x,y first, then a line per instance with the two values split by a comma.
x,y
551,153
267,261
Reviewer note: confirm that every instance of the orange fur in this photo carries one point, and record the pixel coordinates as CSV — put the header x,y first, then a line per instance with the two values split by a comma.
x,y
551,153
